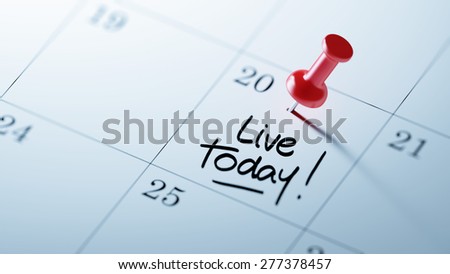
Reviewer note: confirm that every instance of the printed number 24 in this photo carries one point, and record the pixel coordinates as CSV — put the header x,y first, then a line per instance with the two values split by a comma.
x,y
171,198
7,127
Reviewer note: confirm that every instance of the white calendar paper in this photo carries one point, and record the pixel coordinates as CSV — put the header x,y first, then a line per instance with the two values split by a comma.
x,y
68,67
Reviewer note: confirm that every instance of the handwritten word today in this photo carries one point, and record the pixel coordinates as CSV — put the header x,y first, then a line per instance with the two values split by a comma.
x,y
225,158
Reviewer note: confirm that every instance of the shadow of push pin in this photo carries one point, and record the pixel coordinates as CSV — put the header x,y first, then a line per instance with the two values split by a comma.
x,y
308,87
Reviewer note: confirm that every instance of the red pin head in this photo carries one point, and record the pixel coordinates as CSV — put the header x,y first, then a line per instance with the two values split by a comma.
x,y
308,87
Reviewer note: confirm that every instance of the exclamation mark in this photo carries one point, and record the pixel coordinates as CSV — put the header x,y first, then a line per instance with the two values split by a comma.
x,y
313,171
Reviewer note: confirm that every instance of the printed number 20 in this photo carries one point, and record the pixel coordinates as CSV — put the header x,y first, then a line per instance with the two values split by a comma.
x,y
261,83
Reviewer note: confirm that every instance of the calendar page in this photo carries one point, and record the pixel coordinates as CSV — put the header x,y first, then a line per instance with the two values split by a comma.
x,y
175,126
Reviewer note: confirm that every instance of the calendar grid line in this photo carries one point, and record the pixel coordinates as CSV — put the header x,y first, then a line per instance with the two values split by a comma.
x,y
271,63
247,43
218,79
274,216
109,213
330,196
423,126
428,68
55,123
359,100
176,24
237,53
193,31
61,26
240,52
151,163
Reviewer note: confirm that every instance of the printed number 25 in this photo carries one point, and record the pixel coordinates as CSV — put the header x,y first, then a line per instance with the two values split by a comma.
x,y
171,198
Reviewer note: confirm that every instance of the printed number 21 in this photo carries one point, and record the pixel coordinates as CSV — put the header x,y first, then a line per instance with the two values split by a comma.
x,y
404,137
171,198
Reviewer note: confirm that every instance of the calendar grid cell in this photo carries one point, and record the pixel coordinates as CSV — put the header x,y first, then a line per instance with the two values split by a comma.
x,y
72,14
319,210
286,221
423,126
264,22
110,212
98,227
244,50
176,24
71,130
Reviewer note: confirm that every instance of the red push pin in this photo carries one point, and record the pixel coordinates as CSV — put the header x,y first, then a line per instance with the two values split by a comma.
x,y
308,87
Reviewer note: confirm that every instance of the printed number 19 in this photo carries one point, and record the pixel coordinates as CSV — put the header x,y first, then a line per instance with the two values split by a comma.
x,y
109,20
